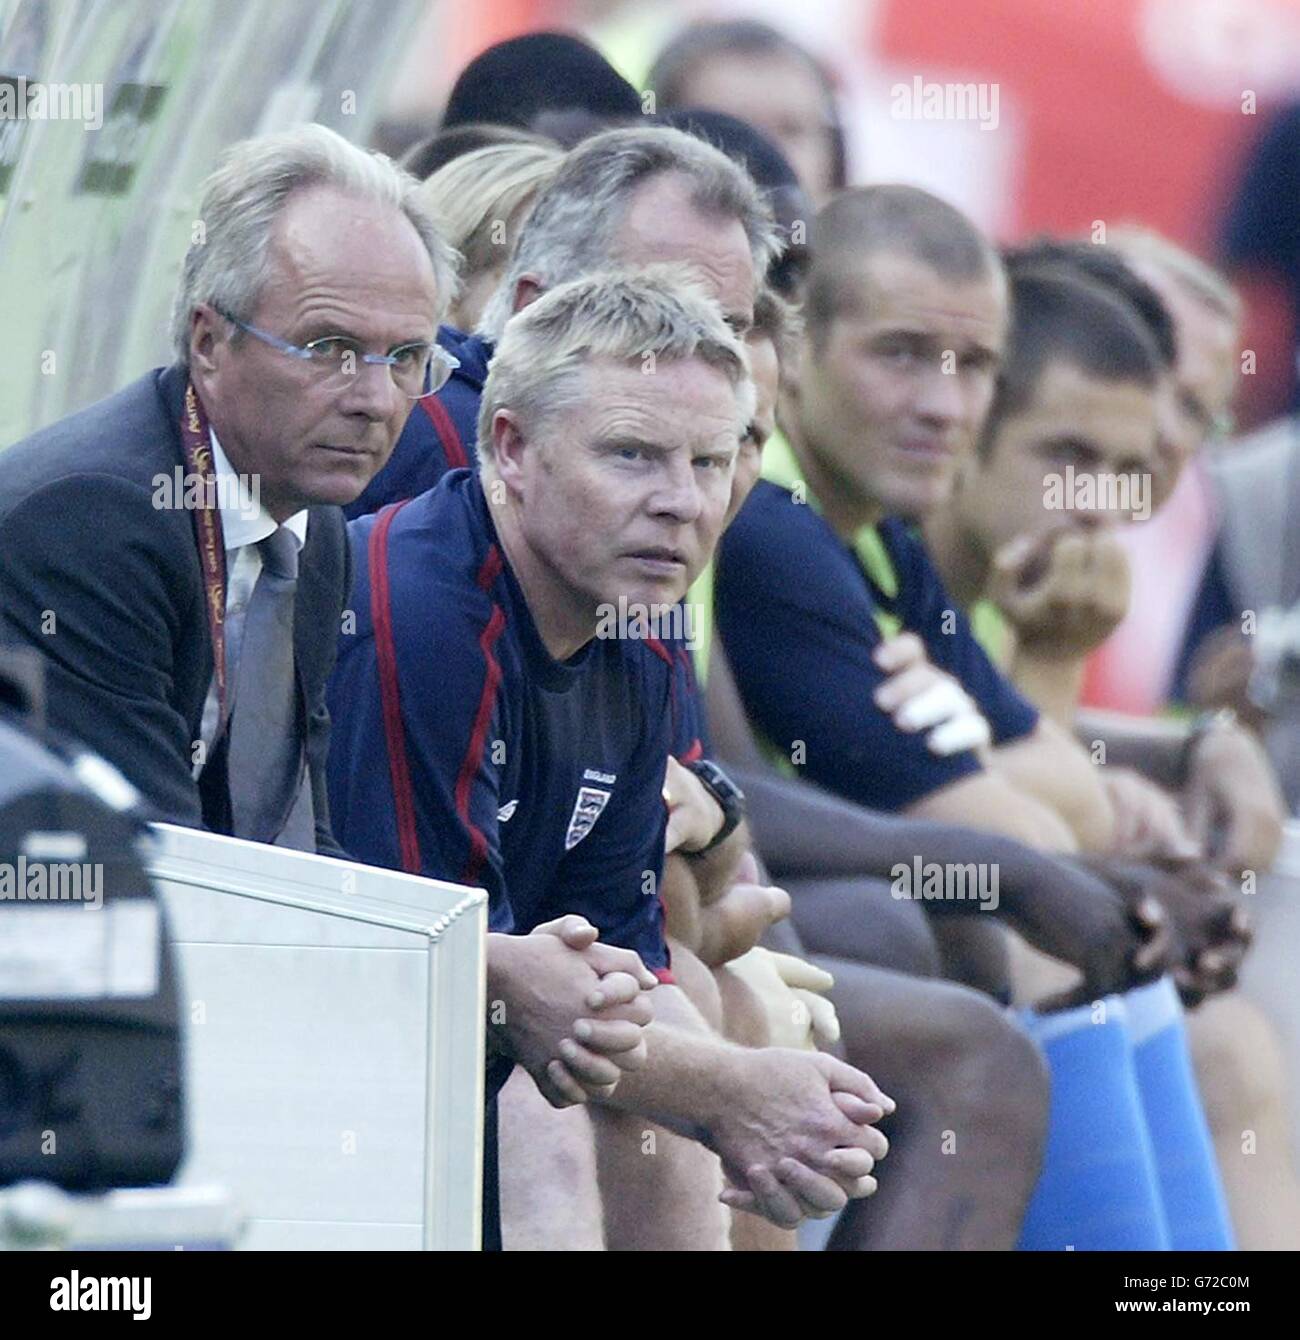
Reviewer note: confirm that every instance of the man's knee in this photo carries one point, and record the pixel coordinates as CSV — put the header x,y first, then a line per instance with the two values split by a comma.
x,y
946,1046
1237,1059
995,1061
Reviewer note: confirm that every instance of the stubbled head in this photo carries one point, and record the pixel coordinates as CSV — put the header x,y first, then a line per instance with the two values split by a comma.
x,y
906,317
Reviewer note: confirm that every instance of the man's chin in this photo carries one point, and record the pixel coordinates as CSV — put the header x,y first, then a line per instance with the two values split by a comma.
x,y
340,486
917,497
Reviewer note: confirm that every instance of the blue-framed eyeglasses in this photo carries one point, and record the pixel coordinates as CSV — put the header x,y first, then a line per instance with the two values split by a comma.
x,y
417,369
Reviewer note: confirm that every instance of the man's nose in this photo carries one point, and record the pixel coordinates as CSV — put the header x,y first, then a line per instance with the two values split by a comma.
x,y
677,493
370,391
939,396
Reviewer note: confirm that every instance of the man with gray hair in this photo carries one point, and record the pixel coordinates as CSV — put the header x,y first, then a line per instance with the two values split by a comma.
x,y
177,552
632,198
526,753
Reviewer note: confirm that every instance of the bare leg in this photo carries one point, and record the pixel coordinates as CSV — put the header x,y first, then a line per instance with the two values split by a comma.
x,y
1241,1078
972,1095
660,1191
549,1197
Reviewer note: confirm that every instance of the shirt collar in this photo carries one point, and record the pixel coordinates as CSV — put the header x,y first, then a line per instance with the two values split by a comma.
x,y
781,467
244,521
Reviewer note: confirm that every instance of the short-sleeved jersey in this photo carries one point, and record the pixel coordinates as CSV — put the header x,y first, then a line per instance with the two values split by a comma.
x,y
801,612
440,431
538,780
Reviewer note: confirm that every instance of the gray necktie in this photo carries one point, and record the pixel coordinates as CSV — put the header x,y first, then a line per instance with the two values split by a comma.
x,y
269,799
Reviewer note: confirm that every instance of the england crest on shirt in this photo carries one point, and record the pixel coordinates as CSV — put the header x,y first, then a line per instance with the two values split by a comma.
x,y
586,810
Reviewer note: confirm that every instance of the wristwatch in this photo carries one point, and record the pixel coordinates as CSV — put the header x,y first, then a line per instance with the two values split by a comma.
x,y
730,798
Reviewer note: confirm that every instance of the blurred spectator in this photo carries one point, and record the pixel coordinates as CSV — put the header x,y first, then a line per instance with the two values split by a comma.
x,y
1242,648
1261,248
1134,670
480,201
750,70
422,160
519,81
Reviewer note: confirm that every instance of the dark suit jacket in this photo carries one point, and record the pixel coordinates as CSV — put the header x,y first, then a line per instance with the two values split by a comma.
x,y
108,588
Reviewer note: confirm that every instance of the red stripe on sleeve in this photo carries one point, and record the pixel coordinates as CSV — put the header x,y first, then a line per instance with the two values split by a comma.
x,y
478,735
452,447
399,772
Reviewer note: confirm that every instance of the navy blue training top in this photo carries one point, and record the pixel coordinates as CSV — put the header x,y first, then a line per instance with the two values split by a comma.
x,y
538,780
440,431
798,614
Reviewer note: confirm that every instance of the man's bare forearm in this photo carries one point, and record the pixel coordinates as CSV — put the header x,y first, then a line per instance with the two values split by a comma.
x,y
1050,766
1052,684
806,832
688,1070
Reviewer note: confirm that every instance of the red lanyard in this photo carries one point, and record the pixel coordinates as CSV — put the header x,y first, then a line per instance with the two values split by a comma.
x,y
196,442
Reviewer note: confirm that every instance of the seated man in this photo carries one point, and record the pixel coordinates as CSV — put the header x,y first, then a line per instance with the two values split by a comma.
x,y
821,583
532,760
216,485
195,659
1215,764
1078,402
956,1063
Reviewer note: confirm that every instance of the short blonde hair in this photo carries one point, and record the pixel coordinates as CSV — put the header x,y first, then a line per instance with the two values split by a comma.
x,y
1190,272
475,196
624,316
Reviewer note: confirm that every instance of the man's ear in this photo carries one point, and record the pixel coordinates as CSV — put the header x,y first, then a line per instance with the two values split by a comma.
x,y
528,288
792,385
509,446
207,330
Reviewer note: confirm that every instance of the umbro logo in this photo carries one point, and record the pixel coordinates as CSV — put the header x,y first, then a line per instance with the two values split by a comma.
x,y
507,810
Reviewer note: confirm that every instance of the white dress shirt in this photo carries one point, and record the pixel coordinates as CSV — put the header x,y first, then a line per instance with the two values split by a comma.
x,y
244,523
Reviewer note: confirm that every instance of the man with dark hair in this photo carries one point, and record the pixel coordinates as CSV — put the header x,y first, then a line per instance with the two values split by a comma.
x,y
1079,394
1048,584
1065,454
518,81
819,580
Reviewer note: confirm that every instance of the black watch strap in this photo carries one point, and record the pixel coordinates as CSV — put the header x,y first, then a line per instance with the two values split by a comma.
x,y
730,798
